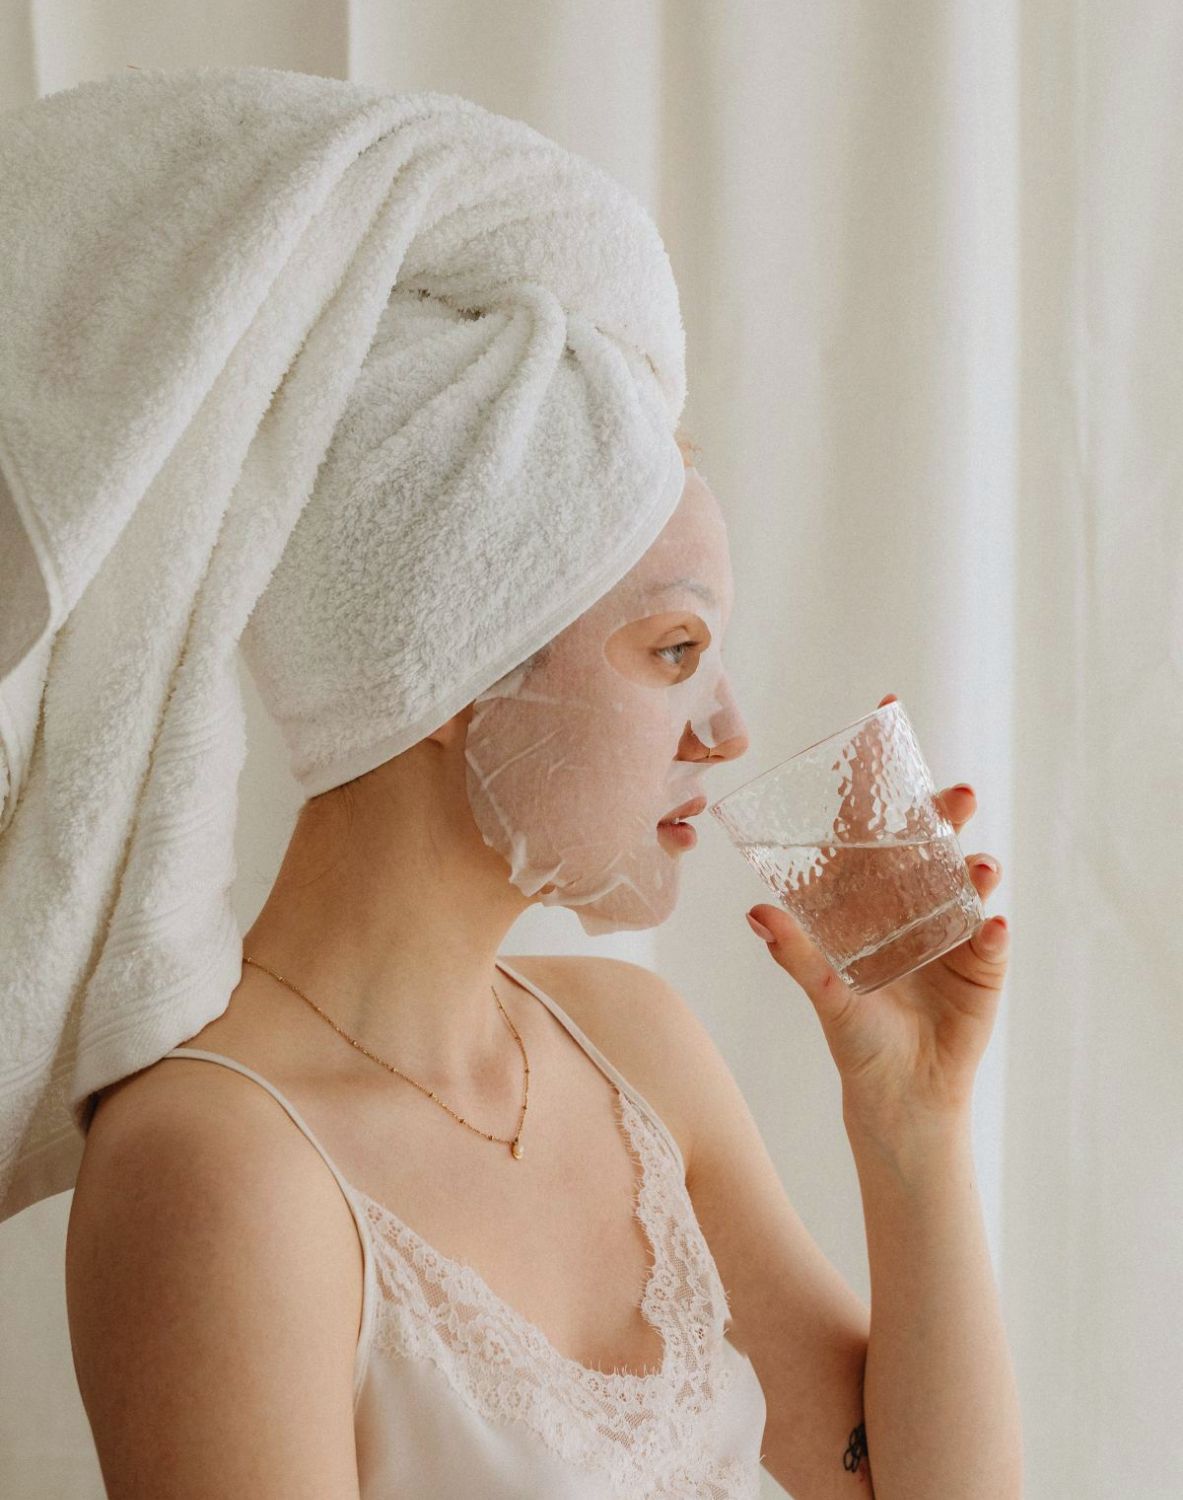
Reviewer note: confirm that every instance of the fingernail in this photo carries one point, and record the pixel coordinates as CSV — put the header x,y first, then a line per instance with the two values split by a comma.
x,y
964,787
995,933
760,930
986,863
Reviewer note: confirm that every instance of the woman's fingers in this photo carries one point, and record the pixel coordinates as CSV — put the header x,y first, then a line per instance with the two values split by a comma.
x,y
957,803
985,872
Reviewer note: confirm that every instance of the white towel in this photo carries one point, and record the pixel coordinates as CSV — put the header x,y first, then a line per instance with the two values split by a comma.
x,y
233,300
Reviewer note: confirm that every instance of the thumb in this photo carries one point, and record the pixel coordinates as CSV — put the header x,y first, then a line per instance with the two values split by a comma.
x,y
803,961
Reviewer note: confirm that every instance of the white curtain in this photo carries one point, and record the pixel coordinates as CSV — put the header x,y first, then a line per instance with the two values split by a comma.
x,y
931,264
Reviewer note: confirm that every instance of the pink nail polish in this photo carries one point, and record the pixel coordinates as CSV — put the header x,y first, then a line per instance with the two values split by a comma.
x,y
760,930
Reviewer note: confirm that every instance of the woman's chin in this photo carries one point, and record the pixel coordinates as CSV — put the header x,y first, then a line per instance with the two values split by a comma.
x,y
628,909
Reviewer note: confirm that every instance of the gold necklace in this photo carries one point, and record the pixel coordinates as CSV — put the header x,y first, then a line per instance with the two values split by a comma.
x,y
514,1143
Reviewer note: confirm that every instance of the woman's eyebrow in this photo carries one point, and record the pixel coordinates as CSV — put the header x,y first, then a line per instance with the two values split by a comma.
x,y
692,585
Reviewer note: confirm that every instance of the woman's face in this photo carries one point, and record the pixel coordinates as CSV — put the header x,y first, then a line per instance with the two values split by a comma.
x,y
575,757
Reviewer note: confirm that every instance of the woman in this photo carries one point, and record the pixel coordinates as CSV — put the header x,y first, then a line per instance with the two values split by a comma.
x,y
217,1293
388,913
398,1217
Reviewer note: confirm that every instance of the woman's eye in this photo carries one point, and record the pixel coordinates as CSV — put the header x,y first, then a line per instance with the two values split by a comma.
x,y
679,646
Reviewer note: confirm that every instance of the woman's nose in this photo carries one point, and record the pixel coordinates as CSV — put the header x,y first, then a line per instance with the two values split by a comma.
x,y
731,748
728,736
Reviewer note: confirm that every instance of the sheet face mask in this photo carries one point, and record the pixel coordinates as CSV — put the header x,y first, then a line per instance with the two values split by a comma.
x,y
572,757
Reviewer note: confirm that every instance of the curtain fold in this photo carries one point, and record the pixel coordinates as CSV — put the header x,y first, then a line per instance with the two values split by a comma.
x,y
1093,1221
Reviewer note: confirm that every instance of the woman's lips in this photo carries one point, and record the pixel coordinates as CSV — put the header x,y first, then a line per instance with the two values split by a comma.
x,y
677,833
689,809
681,835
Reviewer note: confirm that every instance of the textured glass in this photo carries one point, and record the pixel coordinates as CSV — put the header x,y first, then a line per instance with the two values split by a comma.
x,y
849,836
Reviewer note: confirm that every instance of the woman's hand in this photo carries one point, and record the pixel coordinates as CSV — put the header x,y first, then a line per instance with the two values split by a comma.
x,y
907,1052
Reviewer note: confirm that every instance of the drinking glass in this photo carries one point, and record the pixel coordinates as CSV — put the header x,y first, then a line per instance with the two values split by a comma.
x,y
848,835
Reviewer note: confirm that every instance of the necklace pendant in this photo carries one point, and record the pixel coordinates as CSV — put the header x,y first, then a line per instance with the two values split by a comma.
x,y
516,1148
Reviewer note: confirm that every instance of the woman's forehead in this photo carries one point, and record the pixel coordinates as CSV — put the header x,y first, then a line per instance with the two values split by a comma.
x,y
690,558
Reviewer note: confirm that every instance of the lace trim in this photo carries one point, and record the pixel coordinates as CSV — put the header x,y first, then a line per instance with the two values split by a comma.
x,y
639,1428
707,1479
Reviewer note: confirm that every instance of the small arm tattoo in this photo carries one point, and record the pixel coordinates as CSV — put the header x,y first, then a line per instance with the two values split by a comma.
x,y
856,1449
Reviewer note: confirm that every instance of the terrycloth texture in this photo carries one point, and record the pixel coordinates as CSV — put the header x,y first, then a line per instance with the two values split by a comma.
x,y
436,353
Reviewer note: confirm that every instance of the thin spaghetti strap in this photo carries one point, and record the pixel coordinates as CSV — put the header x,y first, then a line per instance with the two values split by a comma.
x,y
369,1277
601,1061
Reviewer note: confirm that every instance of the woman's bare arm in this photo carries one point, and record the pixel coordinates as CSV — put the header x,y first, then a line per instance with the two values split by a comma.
x,y
213,1295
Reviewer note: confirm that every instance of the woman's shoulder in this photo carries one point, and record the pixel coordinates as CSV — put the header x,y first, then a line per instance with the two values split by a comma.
x,y
185,1125
181,1096
193,1137
184,1093
192,1211
637,1020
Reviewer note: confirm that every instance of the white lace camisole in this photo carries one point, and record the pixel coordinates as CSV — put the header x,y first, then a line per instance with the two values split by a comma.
x,y
457,1396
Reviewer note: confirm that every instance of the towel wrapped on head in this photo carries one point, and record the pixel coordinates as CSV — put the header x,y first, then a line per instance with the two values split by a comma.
x,y
383,387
